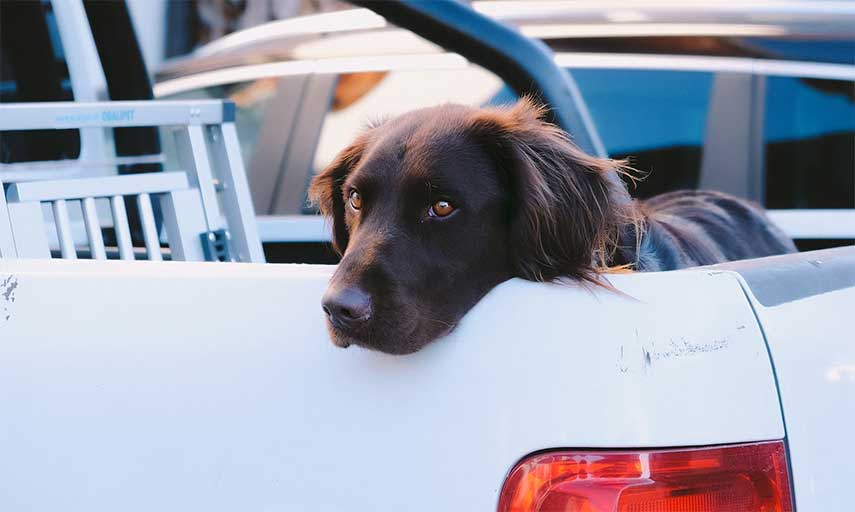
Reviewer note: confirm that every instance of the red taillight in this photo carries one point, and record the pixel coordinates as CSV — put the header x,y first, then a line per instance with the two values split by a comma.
x,y
748,477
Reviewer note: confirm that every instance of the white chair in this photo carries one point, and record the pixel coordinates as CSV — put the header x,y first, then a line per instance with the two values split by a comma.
x,y
183,218
207,209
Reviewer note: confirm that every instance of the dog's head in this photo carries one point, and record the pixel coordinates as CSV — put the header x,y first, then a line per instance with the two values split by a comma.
x,y
434,208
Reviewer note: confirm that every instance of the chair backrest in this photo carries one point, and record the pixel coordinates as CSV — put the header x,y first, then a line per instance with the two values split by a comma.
x,y
180,204
206,207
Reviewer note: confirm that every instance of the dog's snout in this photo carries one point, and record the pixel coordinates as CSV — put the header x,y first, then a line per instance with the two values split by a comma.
x,y
347,308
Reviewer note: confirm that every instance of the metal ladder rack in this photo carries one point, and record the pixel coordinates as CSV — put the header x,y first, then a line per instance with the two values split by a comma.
x,y
207,208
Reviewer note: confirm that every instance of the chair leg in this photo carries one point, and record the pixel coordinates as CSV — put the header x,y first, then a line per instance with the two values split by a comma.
x,y
183,221
28,228
237,200
7,241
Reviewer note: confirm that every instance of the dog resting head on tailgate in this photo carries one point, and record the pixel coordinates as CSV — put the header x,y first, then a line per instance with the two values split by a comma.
x,y
434,208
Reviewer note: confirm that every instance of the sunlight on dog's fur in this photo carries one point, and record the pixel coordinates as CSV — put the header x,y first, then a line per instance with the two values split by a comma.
x,y
434,208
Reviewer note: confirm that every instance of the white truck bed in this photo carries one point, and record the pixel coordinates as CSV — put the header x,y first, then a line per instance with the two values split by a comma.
x,y
199,386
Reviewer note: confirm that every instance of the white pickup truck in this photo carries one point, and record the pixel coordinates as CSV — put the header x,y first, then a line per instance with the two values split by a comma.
x,y
192,385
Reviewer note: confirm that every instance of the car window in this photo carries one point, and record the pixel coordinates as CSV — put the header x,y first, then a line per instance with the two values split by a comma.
x,y
809,137
656,119
33,68
824,50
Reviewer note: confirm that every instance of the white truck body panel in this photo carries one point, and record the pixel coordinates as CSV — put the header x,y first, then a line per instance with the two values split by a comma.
x,y
197,386
813,349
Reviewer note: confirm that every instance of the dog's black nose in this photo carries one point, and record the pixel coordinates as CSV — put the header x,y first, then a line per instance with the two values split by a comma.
x,y
347,308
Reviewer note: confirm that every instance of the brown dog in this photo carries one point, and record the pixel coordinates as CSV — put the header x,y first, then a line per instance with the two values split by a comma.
x,y
436,207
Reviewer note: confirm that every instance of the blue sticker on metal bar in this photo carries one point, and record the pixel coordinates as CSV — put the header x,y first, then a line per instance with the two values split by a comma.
x,y
228,111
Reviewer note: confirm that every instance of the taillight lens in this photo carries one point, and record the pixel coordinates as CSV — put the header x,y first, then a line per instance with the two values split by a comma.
x,y
747,477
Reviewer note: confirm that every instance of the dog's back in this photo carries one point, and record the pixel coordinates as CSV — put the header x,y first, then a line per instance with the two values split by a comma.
x,y
696,227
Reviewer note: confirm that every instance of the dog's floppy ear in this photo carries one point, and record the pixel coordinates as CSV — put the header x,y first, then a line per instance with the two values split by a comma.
x,y
566,207
325,191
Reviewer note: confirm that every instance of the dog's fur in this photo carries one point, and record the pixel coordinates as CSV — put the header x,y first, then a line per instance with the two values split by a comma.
x,y
529,204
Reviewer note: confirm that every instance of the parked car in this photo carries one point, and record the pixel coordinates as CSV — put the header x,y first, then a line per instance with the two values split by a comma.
x,y
175,385
756,101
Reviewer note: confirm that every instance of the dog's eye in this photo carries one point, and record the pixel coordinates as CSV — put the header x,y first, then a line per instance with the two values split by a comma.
x,y
441,209
355,199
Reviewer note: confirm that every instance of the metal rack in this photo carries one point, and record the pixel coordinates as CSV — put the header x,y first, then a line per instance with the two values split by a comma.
x,y
206,206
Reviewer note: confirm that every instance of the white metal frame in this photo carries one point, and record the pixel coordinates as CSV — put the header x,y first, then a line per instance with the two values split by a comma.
x,y
183,219
422,61
213,179
832,224
7,243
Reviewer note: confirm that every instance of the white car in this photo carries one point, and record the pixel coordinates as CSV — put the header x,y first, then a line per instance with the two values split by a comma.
x,y
751,100
189,385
